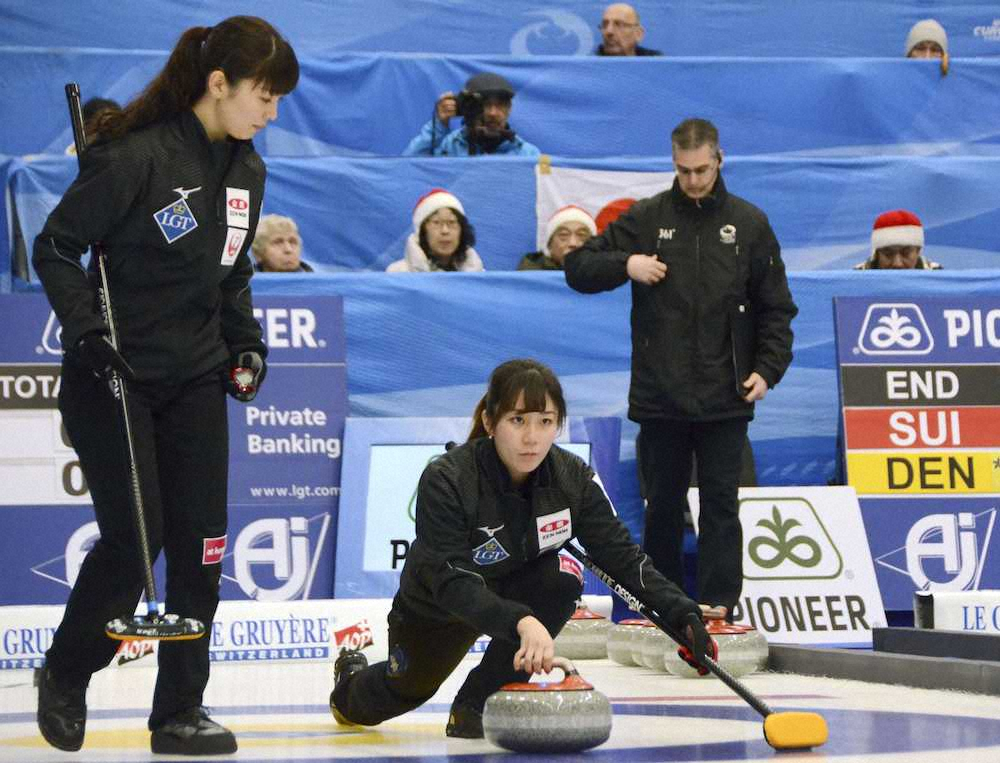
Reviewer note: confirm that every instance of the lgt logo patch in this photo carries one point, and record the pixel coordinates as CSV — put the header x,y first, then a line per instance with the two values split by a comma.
x,y
175,220
895,329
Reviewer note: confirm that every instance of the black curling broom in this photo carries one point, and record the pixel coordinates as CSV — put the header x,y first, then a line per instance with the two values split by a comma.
x,y
155,624
783,731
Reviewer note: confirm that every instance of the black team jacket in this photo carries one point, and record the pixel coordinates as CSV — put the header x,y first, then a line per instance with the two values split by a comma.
x,y
723,310
474,528
176,215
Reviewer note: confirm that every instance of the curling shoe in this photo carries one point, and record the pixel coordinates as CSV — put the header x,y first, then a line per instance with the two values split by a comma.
x,y
62,711
464,721
192,732
349,662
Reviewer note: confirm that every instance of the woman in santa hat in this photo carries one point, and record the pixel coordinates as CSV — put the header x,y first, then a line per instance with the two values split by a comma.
x,y
442,237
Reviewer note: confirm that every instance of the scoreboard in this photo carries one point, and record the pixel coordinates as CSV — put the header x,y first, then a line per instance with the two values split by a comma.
x,y
920,398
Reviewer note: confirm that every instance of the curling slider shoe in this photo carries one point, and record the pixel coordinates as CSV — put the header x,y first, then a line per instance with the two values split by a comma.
x,y
795,730
158,627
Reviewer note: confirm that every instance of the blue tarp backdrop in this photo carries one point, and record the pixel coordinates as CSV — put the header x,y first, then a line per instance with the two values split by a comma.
x,y
523,27
373,104
356,213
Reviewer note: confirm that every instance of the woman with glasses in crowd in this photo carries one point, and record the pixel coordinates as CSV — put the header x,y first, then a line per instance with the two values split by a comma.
x,y
442,237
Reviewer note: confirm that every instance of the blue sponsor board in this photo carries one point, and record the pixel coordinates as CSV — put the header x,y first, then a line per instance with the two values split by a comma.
x,y
893,331
31,333
944,544
273,552
284,446
384,460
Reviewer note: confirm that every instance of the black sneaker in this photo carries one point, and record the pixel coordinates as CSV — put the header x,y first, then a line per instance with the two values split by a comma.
x,y
62,711
349,662
192,732
464,721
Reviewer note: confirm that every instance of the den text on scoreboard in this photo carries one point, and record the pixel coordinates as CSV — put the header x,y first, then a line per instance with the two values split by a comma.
x,y
920,391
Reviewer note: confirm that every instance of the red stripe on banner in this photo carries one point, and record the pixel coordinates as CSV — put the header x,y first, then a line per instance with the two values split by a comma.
x,y
931,427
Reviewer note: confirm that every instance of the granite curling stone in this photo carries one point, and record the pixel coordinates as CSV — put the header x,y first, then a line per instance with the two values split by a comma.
x,y
653,645
620,638
639,638
567,716
742,650
584,637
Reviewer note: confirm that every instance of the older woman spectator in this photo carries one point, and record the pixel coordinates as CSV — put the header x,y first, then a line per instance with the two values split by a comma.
x,y
442,237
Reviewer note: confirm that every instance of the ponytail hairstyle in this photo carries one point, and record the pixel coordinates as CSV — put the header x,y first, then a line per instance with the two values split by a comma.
x,y
242,47
507,382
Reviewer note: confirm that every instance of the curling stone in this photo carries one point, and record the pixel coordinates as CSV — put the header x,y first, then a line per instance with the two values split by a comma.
x,y
620,640
652,644
584,637
567,716
638,638
742,650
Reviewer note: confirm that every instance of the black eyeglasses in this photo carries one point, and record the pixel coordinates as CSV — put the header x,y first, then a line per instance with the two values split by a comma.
x,y
615,24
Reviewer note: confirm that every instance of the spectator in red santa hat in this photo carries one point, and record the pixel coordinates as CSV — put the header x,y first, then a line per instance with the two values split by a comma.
x,y
442,237
568,228
897,243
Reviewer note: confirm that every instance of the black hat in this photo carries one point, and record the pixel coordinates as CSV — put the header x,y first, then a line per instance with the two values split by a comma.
x,y
488,83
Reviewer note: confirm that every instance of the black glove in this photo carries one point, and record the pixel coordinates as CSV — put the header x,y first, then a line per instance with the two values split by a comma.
x,y
246,373
98,354
701,643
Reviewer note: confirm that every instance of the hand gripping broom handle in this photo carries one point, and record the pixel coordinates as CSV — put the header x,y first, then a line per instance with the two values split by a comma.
x,y
117,382
637,604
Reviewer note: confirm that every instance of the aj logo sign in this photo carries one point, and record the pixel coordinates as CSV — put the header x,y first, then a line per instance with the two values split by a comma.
x,y
895,329
786,540
944,552
275,559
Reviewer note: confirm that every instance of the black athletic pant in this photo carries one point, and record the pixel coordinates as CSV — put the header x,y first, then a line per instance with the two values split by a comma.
x,y
181,441
424,652
667,447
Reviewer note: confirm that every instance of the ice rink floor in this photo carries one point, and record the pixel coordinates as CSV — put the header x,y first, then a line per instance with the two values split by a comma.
x,y
279,712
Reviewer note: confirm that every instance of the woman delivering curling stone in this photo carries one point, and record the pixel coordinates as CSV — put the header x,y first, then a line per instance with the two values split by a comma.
x,y
491,516
172,187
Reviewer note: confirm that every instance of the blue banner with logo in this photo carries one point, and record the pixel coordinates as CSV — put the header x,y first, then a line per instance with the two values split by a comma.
x,y
522,27
920,392
285,455
356,214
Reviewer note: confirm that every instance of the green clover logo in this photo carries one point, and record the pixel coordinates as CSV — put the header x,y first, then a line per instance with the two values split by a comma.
x,y
781,545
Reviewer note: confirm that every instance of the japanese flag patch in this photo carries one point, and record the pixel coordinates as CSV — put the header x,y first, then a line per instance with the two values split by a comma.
x,y
234,242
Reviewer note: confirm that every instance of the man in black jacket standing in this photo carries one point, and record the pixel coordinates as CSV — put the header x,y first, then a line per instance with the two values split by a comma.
x,y
711,334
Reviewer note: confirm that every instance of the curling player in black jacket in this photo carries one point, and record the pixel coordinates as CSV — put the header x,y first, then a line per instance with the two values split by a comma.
x,y
491,517
172,188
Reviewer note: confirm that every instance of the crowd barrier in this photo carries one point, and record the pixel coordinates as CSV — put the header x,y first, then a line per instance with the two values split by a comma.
x,y
423,345
525,27
372,104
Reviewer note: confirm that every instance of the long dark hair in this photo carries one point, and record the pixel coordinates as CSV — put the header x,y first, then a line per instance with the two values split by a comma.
x,y
507,382
466,239
243,47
